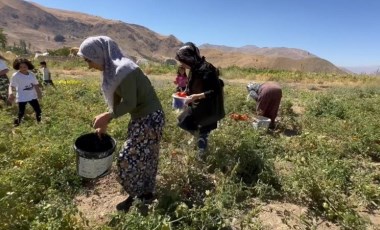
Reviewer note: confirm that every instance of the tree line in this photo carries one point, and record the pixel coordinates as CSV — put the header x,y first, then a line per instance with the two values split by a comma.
x,y
23,47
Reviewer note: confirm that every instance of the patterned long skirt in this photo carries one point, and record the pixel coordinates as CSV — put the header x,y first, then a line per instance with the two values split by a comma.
x,y
138,160
4,84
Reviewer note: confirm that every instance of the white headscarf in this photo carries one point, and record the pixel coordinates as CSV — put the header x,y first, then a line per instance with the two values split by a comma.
x,y
253,90
103,51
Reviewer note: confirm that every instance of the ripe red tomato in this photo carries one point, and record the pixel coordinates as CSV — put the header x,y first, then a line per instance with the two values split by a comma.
x,y
244,117
235,116
181,94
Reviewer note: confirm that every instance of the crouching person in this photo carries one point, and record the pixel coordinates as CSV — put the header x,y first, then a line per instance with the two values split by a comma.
x,y
268,97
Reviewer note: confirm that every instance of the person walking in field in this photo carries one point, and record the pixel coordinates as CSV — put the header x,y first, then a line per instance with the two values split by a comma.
x,y
127,89
4,80
27,89
205,100
268,97
46,75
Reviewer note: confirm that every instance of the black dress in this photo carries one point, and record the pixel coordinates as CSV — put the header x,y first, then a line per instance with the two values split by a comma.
x,y
203,114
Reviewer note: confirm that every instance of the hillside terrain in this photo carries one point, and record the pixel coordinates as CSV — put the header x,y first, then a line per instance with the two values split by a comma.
x,y
39,26
280,62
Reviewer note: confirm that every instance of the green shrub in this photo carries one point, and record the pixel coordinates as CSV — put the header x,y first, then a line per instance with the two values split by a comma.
x,y
327,105
64,51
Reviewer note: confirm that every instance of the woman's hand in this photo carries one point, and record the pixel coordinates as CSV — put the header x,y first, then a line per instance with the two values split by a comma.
x,y
260,112
100,123
101,131
194,97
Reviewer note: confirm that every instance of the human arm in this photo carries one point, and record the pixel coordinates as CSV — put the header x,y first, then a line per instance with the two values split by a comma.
x,y
259,112
127,91
11,89
36,85
253,94
101,122
11,96
38,91
211,85
194,97
4,71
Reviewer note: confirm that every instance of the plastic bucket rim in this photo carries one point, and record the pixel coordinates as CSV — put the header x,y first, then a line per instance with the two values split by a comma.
x,y
85,154
177,97
262,118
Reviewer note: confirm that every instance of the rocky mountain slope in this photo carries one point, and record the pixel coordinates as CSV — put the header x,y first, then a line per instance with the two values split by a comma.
x,y
39,27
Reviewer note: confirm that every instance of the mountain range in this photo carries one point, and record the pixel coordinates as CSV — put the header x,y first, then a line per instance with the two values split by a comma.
x,y
368,70
39,27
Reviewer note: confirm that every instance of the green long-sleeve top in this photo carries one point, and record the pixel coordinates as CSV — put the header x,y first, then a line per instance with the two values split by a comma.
x,y
135,95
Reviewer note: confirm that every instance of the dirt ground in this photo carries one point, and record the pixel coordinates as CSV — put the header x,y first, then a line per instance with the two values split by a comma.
x,y
282,216
100,199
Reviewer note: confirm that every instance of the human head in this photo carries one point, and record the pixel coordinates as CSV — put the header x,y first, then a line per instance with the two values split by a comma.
x,y
181,70
102,53
188,55
43,63
99,51
19,61
253,89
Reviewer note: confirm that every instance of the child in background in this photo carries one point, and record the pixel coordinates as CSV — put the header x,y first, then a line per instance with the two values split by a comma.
x,y
4,81
46,75
181,79
25,83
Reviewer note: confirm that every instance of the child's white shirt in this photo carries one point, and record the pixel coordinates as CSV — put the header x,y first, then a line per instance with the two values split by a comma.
x,y
24,85
45,74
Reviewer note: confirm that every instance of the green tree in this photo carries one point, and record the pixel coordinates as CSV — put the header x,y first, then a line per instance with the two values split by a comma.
x,y
23,46
65,51
59,38
3,39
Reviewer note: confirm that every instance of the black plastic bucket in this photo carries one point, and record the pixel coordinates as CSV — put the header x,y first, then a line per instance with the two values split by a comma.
x,y
94,155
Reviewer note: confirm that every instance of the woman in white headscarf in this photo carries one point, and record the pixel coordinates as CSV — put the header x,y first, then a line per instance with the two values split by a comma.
x,y
268,97
127,89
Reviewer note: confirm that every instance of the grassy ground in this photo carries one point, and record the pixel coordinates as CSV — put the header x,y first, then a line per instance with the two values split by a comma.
x,y
318,170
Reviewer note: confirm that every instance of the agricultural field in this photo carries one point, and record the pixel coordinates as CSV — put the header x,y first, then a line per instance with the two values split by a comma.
x,y
320,169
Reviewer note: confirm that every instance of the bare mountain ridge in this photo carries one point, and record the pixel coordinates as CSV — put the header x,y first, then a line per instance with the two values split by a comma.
x,y
373,70
312,64
38,25
292,53
281,58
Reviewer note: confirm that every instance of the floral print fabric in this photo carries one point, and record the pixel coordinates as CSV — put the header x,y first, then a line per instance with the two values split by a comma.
x,y
138,159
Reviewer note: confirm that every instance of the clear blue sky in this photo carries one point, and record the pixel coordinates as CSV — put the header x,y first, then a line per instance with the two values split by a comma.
x,y
344,32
